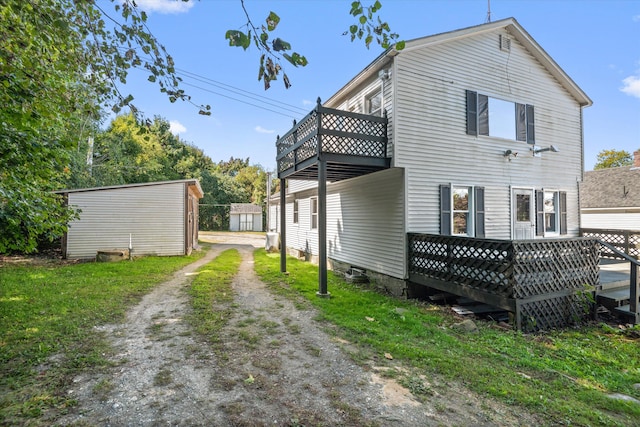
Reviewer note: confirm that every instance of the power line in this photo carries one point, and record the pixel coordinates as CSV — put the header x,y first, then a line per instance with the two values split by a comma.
x,y
238,100
241,92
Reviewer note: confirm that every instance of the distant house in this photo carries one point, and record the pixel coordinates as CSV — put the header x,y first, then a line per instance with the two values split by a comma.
x,y
245,217
610,198
155,218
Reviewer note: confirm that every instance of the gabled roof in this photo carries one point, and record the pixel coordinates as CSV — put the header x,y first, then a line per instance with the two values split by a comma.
x,y
190,182
245,208
510,24
611,188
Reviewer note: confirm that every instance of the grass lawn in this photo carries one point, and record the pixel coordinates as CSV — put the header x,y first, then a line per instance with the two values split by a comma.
x,y
564,376
47,318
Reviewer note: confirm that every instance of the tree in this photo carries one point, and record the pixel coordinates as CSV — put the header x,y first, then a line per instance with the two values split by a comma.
x,y
61,66
613,158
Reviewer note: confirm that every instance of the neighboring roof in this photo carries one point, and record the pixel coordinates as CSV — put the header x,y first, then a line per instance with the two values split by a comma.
x,y
245,208
191,182
611,188
509,23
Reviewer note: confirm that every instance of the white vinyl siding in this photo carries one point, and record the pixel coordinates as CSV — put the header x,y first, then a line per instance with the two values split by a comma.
x,y
365,223
153,215
611,220
430,129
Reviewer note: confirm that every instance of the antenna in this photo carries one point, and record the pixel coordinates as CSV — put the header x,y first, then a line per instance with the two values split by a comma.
x,y
488,11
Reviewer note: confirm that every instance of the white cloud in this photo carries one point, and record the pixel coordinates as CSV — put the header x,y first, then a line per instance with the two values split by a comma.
x,y
635,18
631,86
307,103
176,127
165,7
260,129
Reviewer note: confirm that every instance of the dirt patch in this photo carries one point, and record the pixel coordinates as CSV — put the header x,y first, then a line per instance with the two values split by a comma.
x,y
274,366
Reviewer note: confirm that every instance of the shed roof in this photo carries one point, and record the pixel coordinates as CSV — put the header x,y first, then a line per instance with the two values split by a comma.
x,y
245,208
190,182
510,24
611,188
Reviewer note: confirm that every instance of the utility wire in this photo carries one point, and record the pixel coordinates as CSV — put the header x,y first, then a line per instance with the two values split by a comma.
x,y
238,100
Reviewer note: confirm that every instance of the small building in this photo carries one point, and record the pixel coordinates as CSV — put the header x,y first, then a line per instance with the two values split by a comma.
x,y
153,218
245,217
610,198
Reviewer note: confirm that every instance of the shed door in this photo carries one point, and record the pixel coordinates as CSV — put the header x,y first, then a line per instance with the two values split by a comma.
x,y
523,214
246,222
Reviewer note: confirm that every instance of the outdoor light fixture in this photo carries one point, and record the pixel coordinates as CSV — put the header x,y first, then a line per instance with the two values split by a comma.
x,y
537,151
510,154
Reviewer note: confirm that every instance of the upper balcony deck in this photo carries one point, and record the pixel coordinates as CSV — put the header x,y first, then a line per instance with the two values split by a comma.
x,y
350,144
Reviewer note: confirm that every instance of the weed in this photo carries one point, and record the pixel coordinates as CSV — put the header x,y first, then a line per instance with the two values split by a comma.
x,y
162,378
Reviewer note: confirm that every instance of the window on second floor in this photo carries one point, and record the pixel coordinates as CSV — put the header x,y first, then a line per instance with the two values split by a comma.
x,y
498,118
373,103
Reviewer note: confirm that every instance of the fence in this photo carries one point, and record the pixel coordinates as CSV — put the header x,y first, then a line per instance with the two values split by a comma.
x,y
627,241
544,283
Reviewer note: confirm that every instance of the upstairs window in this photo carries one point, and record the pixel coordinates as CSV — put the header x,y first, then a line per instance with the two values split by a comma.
x,y
498,118
373,104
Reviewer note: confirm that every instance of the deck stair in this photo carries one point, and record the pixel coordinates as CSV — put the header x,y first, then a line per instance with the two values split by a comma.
x,y
617,285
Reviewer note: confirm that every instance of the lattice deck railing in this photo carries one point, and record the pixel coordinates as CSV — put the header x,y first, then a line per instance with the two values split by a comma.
x,y
331,131
627,241
542,282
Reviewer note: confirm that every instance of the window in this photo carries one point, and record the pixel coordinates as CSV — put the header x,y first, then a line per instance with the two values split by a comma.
x,y
295,211
498,118
314,212
551,213
462,211
373,104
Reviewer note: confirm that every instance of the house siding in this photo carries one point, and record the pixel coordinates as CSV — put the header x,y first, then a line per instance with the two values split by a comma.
x,y
613,221
153,215
365,222
430,129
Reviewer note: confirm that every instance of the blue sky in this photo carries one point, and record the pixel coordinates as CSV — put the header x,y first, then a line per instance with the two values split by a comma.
x,y
596,42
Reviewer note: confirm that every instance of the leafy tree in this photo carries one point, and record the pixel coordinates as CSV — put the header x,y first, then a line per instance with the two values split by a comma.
x,y
613,158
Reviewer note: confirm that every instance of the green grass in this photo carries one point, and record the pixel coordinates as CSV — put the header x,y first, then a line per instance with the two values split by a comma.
x,y
212,295
563,376
48,316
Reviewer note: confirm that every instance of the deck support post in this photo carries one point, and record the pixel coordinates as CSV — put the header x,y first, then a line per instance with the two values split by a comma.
x,y
322,229
634,292
283,226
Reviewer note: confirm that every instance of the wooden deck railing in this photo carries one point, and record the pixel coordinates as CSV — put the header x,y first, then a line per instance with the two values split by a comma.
x,y
545,283
626,241
330,131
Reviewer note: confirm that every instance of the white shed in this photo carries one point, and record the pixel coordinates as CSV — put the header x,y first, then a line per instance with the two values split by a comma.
x,y
153,218
245,217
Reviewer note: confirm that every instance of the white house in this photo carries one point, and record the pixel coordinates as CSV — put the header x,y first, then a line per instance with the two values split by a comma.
x,y
476,132
245,217
610,198
153,218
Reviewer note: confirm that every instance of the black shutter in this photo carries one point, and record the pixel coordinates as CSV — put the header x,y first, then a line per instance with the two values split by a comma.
x,y
445,210
539,213
531,132
472,113
521,122
483,115
563,212
479,214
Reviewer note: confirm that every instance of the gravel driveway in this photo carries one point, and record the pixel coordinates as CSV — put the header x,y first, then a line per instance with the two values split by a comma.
x,y
277,367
